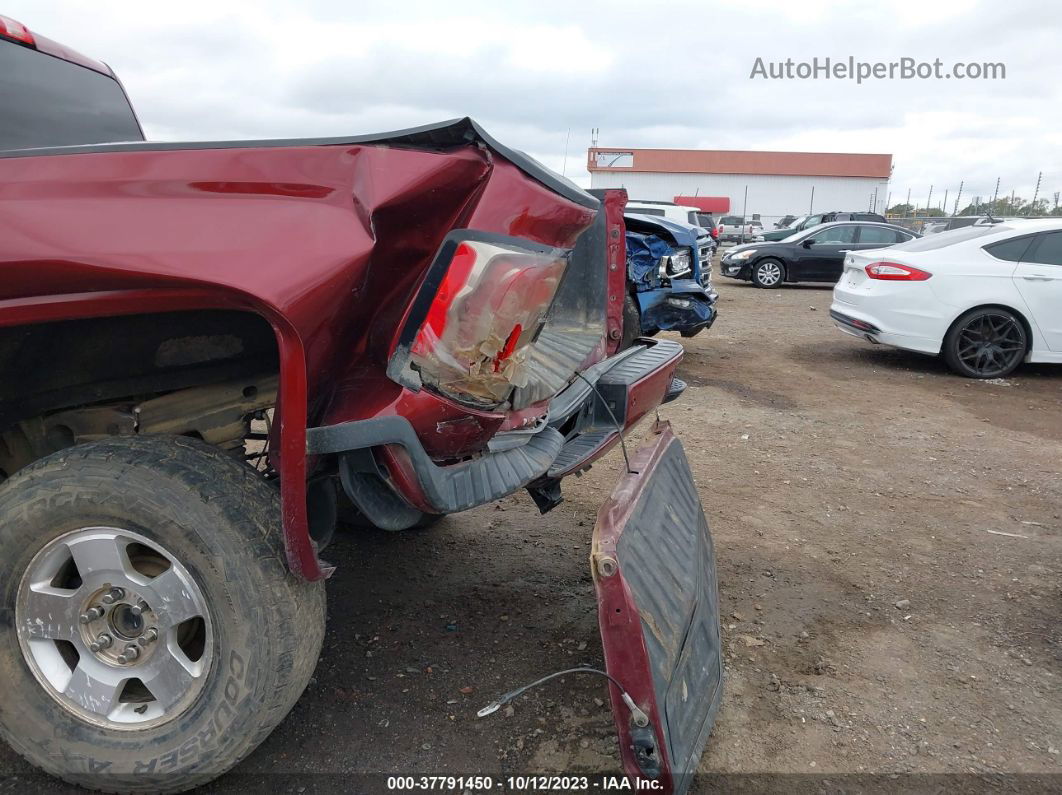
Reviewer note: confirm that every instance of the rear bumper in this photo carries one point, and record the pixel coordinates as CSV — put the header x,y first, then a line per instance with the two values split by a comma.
x,y
853,325
580,428
860,324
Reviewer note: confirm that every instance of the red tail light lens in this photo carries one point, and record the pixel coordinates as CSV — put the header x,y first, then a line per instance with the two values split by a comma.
x,y
469,336
895,272
11,29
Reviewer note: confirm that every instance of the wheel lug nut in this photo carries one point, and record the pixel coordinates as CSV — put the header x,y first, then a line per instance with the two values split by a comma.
x,y
139,608
91,614
113,596
102,641
150,636
131,653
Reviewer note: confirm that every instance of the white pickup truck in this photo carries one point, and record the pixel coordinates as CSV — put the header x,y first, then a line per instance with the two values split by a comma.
x,y
734,228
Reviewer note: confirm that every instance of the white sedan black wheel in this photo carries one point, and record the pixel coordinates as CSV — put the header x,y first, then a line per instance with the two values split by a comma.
x,y
986,343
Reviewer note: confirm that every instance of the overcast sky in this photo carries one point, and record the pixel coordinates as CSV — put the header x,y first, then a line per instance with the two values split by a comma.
x,y
651,74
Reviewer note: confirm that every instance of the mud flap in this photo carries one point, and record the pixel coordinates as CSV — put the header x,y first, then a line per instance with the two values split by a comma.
x,y
658,610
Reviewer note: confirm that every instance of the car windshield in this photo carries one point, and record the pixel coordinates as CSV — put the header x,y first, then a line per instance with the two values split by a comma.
x,y
732,220
947,238
796,222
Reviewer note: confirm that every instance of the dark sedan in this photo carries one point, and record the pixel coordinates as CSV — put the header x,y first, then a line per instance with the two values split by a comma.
x,y
815,255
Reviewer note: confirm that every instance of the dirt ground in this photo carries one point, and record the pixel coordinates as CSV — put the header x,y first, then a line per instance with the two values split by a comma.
x,y
889,542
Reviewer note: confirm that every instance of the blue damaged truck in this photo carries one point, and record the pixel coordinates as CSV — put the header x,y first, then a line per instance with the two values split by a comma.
x,y
669,278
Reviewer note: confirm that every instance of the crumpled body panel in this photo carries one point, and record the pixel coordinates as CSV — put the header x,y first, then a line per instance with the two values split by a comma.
x,y
326,239
643,260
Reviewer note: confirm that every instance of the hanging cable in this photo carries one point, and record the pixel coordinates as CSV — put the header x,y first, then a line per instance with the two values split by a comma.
x,y
619,428
639,717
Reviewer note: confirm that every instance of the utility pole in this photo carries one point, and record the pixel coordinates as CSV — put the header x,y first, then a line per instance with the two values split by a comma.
x,y
958,196
564,167
811,204
1036,193
929,199
888,202
944,203
908,205
744,214
992,206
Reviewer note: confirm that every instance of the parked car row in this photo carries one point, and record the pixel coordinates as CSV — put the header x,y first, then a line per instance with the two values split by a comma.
x,y
983,293
805,222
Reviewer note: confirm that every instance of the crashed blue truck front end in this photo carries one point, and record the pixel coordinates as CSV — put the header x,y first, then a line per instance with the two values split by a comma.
x,y
669,269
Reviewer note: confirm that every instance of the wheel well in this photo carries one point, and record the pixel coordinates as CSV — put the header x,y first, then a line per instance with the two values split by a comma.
x,y
193,373
1024,321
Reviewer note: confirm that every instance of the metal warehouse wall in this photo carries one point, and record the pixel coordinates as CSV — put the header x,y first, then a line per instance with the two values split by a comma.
x,y
769,195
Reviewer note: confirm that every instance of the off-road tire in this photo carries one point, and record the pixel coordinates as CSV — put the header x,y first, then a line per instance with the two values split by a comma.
x,y
222,522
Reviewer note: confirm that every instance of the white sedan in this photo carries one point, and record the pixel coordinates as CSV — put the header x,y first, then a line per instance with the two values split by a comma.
x,y
987,298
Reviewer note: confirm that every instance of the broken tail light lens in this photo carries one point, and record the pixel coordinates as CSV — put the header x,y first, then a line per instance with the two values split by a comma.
x,y
481,307
895,272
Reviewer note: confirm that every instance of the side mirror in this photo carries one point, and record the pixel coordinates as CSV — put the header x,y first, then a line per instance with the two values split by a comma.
x,y
808,242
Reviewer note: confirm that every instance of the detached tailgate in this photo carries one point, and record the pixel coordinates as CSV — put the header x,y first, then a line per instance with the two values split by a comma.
x,y
658,610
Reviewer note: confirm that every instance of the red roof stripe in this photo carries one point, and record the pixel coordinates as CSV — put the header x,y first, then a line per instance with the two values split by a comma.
x,y
706,204
719,161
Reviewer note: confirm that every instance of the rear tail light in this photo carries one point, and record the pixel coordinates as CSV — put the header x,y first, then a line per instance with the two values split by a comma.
x,y
11,29
895,272
479,311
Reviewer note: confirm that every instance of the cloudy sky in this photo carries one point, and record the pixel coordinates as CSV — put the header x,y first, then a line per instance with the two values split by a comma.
x,y
541,75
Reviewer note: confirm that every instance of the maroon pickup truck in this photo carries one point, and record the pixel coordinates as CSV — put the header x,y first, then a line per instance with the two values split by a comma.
x,y
209,350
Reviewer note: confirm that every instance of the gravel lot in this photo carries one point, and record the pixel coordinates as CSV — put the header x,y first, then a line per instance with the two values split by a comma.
x,y
889,543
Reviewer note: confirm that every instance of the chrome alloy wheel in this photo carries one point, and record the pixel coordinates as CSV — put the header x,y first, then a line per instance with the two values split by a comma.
x,y
769,273
114,628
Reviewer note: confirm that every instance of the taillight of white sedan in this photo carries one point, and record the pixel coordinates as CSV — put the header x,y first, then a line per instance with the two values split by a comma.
x,y
986,298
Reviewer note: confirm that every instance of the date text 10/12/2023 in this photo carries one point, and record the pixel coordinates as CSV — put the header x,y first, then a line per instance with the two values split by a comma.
x,y
524,783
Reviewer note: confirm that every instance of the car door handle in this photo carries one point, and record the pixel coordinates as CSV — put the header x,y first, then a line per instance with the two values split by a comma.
x,y
845,251
1038,278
